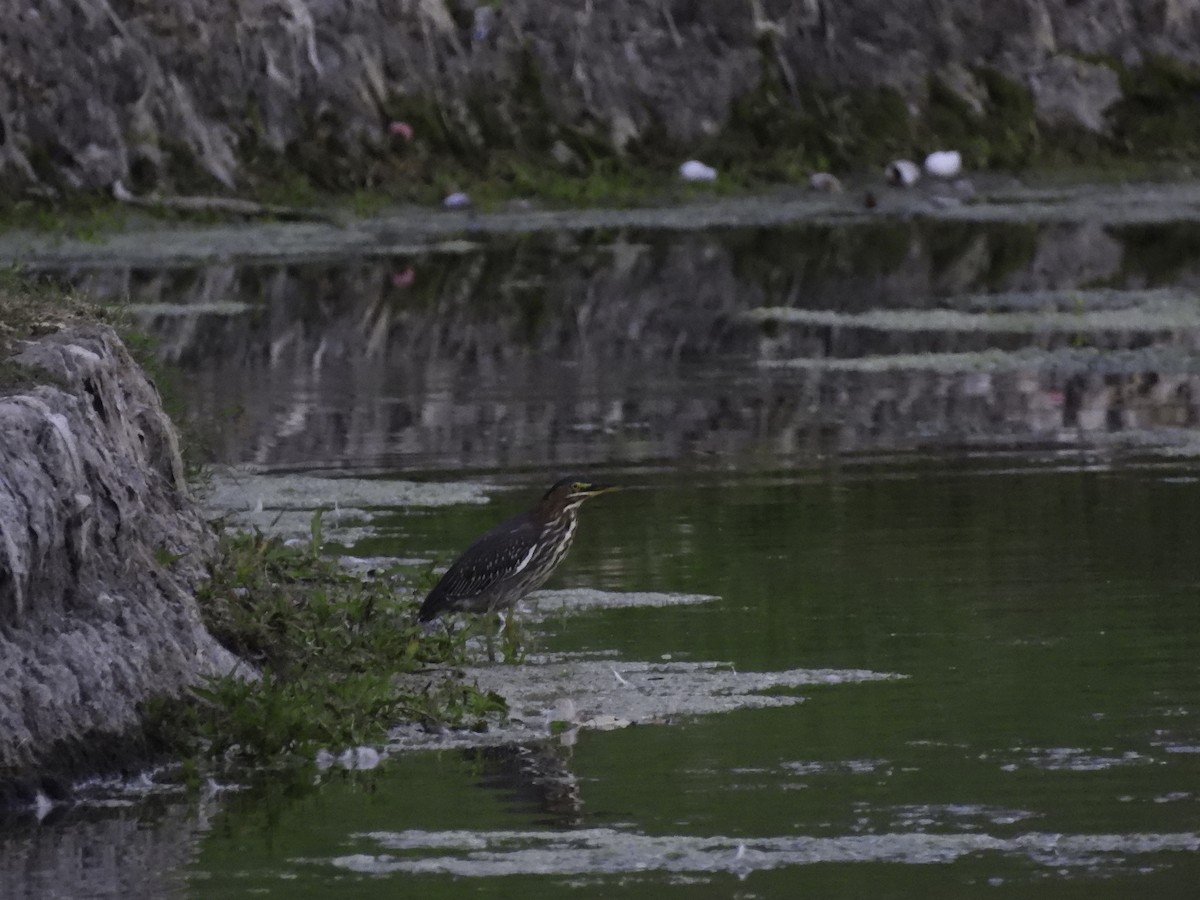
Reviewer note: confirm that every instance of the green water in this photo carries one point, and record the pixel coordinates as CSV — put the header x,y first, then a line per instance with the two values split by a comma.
x,y
1047,616
962,453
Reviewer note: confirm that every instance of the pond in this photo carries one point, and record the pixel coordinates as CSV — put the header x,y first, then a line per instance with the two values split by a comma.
x,y
905,575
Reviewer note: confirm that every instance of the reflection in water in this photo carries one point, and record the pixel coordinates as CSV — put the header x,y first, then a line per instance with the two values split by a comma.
x,y
130,847
549,349
537,776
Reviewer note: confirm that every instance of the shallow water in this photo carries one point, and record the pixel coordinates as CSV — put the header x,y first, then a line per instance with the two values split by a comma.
x,y
1045,740
944,511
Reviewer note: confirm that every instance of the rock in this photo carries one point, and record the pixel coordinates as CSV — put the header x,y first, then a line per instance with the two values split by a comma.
x,y
902,173
964,188
964,85
485,17
824,182
195,90
1069,91
565,157
694,170
944,163
101,548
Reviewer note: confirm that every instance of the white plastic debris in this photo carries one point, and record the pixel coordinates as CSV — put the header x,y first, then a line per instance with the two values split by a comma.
x,y
694,170
361,758
943,163
457,200
902,172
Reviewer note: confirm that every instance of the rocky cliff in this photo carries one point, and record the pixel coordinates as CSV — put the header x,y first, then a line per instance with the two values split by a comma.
x,y
100,548
203,93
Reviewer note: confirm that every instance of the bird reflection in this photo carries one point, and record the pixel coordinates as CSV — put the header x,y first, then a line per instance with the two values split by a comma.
x,y
536,777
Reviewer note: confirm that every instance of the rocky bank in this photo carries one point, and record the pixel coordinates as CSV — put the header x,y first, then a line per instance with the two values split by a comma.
x,y
205,94
100,549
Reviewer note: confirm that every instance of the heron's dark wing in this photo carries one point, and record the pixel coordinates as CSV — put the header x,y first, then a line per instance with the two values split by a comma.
x,y
489,560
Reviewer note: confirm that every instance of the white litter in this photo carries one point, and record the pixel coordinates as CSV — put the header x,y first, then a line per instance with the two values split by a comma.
x,y
943,163
694,170
902,172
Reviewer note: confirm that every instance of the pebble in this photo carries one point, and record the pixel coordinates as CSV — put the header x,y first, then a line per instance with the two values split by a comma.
x,y
823,181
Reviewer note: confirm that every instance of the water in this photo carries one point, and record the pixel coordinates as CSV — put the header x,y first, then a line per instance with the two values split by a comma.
x,y
542,351
971,549
1045,739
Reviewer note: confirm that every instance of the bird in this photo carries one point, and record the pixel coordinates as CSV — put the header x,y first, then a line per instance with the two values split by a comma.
x,y
514,558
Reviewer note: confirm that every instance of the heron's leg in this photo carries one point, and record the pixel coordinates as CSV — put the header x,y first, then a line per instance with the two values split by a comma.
x,y
489,634
506,630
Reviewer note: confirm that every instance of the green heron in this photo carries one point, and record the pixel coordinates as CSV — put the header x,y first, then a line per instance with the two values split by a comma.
x,y
515,557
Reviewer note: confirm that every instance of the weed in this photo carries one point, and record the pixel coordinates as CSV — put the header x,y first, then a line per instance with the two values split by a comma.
x,y
30,307
328,645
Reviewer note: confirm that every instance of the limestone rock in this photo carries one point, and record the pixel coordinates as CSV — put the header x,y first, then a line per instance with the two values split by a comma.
x,y
100,550
1069,91
963,83
191,90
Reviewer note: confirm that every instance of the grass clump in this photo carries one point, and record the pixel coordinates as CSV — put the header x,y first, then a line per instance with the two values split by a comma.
x,y
30,308
1157,116
329,646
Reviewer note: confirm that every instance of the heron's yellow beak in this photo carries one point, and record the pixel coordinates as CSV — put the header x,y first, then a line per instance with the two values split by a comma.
x,y
595,490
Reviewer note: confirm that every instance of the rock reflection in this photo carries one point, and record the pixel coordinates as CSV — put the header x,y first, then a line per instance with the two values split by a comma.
x,y
568,349
142,849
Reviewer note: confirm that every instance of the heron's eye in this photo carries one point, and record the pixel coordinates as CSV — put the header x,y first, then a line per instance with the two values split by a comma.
x,y
579,486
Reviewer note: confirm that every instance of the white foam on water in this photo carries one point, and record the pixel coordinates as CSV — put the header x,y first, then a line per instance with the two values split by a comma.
x,y
607,694
470,854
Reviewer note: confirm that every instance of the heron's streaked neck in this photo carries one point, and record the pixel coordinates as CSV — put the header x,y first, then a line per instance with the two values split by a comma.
x,y
551,510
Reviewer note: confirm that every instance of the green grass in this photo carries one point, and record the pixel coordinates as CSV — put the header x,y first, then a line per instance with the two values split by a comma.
x,y
329,646
31,307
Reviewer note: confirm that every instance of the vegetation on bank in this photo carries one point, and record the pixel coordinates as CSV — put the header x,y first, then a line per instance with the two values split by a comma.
x,y
327,646
30,308
504,143
326,649
503,147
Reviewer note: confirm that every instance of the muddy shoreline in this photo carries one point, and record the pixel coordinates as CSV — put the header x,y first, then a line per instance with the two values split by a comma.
x,y
415,230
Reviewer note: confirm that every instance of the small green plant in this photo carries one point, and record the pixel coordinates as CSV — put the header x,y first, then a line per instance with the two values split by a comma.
x,y
329,646
514,644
